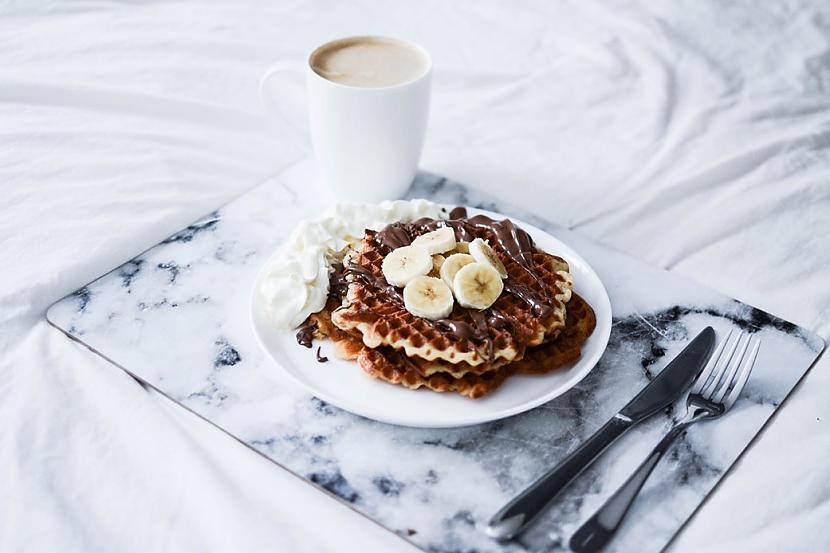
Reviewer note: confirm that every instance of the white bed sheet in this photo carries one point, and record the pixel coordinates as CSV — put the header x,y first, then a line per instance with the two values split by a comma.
x,y
692,134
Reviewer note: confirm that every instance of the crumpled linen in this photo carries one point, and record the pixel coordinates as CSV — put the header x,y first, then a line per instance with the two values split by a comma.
x,y
692,134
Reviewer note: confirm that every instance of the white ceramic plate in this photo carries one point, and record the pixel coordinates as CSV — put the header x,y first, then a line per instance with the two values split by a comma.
x,y
343,383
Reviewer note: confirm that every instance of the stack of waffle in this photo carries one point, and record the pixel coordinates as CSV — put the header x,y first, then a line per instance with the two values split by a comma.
x,y
514,336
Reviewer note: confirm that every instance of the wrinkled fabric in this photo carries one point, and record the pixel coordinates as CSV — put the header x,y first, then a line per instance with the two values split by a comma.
x,y
693,134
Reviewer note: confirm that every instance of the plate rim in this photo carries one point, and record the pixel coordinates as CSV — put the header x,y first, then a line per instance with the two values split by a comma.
x,y
256,315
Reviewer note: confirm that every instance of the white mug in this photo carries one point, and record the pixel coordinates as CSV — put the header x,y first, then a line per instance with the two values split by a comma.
x,y
367,141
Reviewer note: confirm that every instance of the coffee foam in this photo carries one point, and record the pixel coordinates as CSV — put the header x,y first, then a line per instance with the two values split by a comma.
x,y
368,62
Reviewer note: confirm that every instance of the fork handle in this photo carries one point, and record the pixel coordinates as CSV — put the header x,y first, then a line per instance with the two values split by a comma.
x,y
595,533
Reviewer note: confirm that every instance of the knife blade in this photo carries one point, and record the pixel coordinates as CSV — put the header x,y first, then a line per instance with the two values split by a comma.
x,y
663,390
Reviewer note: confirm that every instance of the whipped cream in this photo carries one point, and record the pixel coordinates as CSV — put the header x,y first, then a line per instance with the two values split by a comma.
x,y
296,279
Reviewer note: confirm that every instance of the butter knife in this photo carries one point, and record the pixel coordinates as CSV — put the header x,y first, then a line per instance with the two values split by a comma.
x,y
664,389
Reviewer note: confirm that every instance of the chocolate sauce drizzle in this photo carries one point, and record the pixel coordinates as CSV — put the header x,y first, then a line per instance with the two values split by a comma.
x,y
321,358
459,212
497,319
507,237
305,334
378,283
393,236
338,283
462,330
537,304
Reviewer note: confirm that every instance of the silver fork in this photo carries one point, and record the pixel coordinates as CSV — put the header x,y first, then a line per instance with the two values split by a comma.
x,y
713,393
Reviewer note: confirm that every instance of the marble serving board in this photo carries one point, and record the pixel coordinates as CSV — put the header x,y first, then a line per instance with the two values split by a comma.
x,y
177,318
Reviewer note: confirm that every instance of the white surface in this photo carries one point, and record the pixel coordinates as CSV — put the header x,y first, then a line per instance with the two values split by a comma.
x,y
691,134
343,384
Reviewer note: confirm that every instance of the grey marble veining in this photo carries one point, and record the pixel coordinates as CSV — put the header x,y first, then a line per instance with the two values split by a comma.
x,y
176,317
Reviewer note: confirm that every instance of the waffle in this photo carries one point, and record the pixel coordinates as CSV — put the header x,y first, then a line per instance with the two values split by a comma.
x,y
381,321
551,355
393,366
390,365
567,347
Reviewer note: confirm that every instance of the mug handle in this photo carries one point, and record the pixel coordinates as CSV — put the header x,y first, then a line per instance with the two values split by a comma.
x,y
297,103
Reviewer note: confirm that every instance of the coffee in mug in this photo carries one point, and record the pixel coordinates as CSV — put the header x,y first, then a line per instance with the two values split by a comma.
x,y
369,62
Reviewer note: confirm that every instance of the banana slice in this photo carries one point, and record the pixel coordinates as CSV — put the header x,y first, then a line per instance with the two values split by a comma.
x,y
437,261
403,264
428,297
437,241
452,264
462,247
477,286
484,254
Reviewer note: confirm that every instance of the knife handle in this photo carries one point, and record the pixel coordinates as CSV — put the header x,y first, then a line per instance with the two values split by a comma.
x,y
522,509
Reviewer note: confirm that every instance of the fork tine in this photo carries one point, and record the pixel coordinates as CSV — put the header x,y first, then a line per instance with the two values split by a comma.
x,y
721,366
746,368
719,392
710,365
